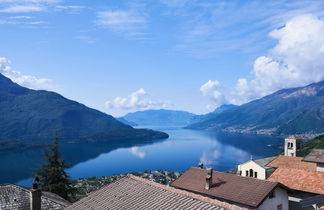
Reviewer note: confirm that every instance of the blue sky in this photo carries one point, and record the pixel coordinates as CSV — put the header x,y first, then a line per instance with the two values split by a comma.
x,y
122,56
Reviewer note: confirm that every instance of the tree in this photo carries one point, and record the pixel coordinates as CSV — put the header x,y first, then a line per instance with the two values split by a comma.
x,y
52,175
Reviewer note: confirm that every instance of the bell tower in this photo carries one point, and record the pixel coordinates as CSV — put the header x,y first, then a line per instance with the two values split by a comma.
x,y
292,146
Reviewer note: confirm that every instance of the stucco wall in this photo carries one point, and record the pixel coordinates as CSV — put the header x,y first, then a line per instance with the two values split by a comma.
x,y
281,197
255,167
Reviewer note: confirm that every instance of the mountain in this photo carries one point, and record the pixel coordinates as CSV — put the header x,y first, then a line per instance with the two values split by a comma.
x,y
218,110
36,115
121,119
315,143
160,117
288,111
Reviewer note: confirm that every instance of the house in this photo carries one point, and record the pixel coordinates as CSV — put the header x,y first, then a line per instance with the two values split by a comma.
x,y
132,192
303,183
246,192
292,162
316,156
17,197
256,168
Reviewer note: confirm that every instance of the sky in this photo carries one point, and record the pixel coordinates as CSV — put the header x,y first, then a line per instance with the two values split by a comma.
x,y
123,56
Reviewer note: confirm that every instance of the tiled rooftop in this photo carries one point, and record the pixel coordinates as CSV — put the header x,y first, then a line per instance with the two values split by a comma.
x,y
264,161
316,156
228,187
302,180
292,162
16,197
133,192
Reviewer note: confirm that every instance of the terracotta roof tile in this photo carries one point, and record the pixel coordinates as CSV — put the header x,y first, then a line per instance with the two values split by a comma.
x,y
302,180
316,156
133,192
228,187
292,162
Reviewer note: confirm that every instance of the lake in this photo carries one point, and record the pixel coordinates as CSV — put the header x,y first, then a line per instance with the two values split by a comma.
x,y
184,149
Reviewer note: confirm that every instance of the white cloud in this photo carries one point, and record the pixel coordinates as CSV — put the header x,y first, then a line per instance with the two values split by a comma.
x,y
296,60
211,90
137,152
22,9
29,1
19,17
209,31
137,100
25,80
76,7
130,23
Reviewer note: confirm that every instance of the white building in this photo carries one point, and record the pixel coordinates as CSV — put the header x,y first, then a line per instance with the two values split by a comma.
x,y
256,168
292,146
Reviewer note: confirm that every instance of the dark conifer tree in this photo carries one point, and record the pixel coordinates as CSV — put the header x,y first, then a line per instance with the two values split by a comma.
x,y
52,175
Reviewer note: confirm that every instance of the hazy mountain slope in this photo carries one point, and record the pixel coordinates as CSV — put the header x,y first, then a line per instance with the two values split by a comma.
x,y
288,111
36,115
204,117
126,122
160,117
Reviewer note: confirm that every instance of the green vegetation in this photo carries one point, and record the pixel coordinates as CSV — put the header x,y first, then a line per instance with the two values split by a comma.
x,y
288,111
32,115
52,175
316,143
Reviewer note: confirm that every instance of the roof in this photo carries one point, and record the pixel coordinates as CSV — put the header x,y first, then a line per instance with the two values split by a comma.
x,y
292,162
308,202
228,187
302,180
131,192
17,197
316,156
264,161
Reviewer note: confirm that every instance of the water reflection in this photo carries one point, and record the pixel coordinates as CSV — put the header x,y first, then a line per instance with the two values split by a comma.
x,y
137,152
184,149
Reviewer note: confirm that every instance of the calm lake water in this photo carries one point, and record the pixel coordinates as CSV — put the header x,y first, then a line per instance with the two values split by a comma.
x,y
184,148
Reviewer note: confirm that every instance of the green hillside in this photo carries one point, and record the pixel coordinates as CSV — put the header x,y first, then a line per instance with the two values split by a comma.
x,y
288,111
36,115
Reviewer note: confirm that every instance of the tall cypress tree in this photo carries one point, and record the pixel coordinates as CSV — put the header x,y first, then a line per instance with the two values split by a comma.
x,y
52,175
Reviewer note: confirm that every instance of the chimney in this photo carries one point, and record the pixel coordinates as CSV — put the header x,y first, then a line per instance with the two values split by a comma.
x,y
200,165
35,196
209,178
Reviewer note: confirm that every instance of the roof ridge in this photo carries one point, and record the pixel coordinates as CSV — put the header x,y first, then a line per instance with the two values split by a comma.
x,y
234,175
186,193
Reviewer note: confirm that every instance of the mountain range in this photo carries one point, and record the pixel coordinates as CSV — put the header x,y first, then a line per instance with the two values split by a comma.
x,y
36,115
161,117
288,111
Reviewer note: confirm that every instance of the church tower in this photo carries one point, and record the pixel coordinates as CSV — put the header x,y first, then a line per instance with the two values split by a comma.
x,y
292,146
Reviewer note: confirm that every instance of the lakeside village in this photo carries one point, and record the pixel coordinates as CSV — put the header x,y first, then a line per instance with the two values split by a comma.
x,y
281,182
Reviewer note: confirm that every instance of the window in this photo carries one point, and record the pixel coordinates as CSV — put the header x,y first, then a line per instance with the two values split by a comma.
x,y
271,195
279,207
251,172
246,173
255,174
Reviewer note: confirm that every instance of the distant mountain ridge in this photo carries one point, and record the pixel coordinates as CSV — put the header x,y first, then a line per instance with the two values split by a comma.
x,y
287,111
27,114
161,117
